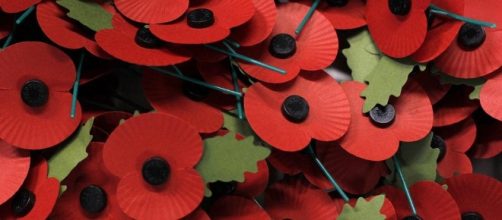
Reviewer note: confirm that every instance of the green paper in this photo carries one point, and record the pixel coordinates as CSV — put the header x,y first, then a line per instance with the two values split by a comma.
x,y
368,210
88,13
362,55
476,83
226,159
234,124
71,153
62,189
418,162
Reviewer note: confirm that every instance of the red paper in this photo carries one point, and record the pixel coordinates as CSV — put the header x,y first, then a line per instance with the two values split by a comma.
x,y
259,27
350,16
236,208
15,165
454,107
152,11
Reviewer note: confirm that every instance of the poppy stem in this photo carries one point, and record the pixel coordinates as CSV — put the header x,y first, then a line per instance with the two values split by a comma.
x,y
247,59
177,70
405,186
198,82
311,152
19,20
437,10
76,85
232,42
307,17
240,112
24,15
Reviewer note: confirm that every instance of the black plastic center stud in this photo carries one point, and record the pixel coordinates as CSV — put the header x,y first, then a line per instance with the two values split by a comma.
x,y
471,216
200,18
22,202
35,93
295,108
146,39
93,199
412,217
439,143
400,7
337,3
220,188
471,36
282,46
383,115
155,171
195,92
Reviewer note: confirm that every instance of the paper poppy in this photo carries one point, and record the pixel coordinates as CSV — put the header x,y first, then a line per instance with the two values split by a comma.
x,y
35,99
430,199
16,6
398,28
290,163
432,86
64,31
37,197
198,214
387,207
206,21
182,99
454,107
490,96
238,208
314,49
137,45
259,27
294,198
477,51
104,124
153,11
375,136
15,165
288,116
453,142
488,139
161,151
343,15
254,183
5,25
478,196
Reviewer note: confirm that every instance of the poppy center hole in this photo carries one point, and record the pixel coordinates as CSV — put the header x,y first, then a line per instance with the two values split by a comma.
x,y
295,108
146,39
412,217
282,46
383,116
337,3
399,7
156,171
471,36
93,199
200,18
35,93
23,202
439,143
471,216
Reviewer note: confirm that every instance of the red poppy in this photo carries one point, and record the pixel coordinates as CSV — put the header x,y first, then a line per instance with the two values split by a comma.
x,y
453,141
398,29
15,165
376,138
173,96
290,163
454,107
255,183
476,195
430,199
442,31
238,208
137,45
490,96
64,31
37,197
206,21
387,207
287,116
153,11
477,51
314,49
198,214
296,199
16,6
259,27
343,15
432,86
35,99
488,139
161,151
105,122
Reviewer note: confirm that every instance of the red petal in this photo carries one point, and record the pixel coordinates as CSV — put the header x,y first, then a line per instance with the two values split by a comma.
x,y
152,11
259,27
17,5
238,208
350,16
488,142
255,183
432,86
454,107
15,165
490,96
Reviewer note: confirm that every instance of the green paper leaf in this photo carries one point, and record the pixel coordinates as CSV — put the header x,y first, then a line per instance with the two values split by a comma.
x,y
387,79
476,83
234,124
368,210
88,13
226,159
71,153
418,162
362,55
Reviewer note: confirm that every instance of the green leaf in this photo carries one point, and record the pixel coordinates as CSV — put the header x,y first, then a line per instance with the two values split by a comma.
x,y
88,13
418,162
234,124
71,153
362,55
368,210
226,159
476,83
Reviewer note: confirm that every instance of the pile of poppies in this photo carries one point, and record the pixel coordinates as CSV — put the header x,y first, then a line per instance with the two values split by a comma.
x,y
229,109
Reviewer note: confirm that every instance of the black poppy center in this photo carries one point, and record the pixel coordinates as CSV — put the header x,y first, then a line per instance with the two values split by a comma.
x,y
146,39
200,18
22,202
412,217
471,216
439,143
471,36
295,108
282,46
155,171
220,188
400,7
383,115
337,3
35,93
93,199
195,92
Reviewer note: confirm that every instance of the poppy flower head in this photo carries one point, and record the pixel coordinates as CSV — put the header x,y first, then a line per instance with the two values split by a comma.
x,y
152,11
